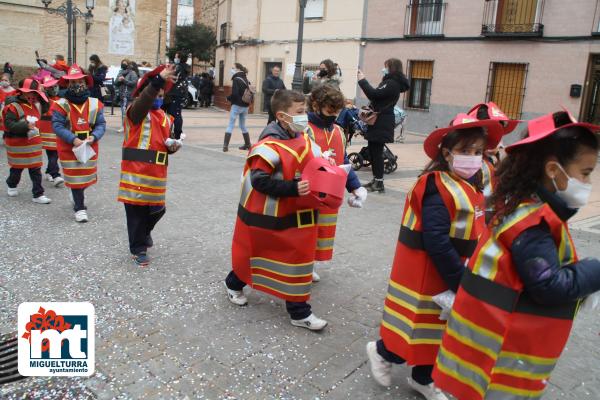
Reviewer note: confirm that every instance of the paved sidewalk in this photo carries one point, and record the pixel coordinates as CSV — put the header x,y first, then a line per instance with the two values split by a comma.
x,y
168,331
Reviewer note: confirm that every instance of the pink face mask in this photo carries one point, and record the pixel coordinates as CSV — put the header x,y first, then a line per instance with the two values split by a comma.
x,y
466,166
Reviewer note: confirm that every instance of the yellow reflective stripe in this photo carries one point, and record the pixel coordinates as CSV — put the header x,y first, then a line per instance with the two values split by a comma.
x,y
462,224
289,289
524,365
310,132
266,153
143,180
79,179
327,219
463,371
246,189
299,157
136,195
325,243
145,134
412,333
23,149
487,261
410,292
474,336
74,164
498,391
406,298
93,110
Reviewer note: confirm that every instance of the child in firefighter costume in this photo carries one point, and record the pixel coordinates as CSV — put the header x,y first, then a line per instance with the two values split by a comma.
x,y
22,139
443,218
77,118
327,102
514,310
491,157
146,148
275,237
50,86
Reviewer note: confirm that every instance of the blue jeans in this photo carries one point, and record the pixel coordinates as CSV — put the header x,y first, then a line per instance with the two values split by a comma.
x,y
235,111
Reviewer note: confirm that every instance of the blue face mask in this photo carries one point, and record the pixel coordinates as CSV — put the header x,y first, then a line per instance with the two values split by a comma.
x,y
158,102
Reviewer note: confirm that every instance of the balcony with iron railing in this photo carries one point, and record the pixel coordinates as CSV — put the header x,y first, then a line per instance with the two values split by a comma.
x,y
424,18
224,33
513,18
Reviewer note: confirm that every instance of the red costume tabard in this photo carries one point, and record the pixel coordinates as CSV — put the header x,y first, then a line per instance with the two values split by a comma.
x,y
23,152
3,96
144,167
334,142
274,240
81,119
45,127
499,343
411,327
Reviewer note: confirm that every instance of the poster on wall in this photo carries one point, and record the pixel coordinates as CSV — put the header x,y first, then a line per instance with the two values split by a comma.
x,y
121,27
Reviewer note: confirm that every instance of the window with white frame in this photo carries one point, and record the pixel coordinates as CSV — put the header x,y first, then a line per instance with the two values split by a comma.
x,y
315,9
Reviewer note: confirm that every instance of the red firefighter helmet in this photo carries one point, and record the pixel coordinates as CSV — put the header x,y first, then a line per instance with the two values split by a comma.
x,y
327,184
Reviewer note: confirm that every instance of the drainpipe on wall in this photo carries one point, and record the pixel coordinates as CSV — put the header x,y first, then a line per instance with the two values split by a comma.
x,y
361,48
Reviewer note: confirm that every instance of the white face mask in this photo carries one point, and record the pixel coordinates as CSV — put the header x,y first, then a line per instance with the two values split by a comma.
x,y
385,71
53,61
233,71
577,193
299,122
466,166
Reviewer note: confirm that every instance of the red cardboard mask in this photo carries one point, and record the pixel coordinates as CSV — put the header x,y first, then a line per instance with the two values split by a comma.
x,y
327,184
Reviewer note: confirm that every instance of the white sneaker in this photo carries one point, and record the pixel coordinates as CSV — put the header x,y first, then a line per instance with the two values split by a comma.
x,y
13,192
42,200
49,178
430,392
316,277
81,216
58,181
311,322
380,369
236,296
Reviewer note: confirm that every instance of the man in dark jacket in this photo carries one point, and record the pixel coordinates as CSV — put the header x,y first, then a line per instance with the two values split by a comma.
x,y
269,86
383,98
174,99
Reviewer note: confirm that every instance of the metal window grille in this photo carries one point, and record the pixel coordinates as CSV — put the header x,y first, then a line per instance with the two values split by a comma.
x,y
424,18
421,76
224,33
513,18
506,87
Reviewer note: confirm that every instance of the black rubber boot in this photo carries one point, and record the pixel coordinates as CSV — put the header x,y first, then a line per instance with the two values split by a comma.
x,y
226,142
369,185
247,144
377,186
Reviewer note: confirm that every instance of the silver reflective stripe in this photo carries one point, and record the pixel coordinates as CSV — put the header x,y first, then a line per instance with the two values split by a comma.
x,y
79,179
158,197
311,134
471,337
266,153
272,203
487,180
23,149
316,149
74,164
471,373
146,133
327,219
325,243
246,188
24,161
294,290
487,259
568,256
64,104
143,180
93,110
48,135
524,364
419,304
464,208
19,110
495,394
301,270
416,333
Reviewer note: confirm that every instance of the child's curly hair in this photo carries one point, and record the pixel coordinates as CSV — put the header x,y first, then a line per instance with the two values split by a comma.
x,y
326,96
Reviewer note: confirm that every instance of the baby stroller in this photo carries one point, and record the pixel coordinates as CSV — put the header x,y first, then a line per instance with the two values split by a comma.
x,y
354,126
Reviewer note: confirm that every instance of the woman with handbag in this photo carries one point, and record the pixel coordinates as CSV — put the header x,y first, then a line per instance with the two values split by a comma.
x,y
242,95
380,116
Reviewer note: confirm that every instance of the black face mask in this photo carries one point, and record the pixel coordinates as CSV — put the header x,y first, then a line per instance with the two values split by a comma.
x,y
322,73
328,119
123,66
77,90
53,91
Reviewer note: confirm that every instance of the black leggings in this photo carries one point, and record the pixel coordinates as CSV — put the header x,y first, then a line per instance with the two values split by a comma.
x,y
376,152
420,373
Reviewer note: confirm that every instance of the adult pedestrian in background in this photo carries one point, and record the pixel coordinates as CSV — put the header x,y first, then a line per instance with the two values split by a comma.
x,y
328,73
272,83
98,72
383,98
206,90
125,83
238,106
8,69
174,99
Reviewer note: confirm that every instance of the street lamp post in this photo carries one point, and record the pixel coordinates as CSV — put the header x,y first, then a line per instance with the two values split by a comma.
x,y
70,13
297,82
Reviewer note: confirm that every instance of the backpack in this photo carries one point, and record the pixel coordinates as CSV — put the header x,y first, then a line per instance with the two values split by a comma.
x,y
248,96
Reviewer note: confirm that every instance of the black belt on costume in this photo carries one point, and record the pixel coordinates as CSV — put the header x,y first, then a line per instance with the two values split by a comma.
x,y
83,135
414,240
146,156
301,219
510,300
